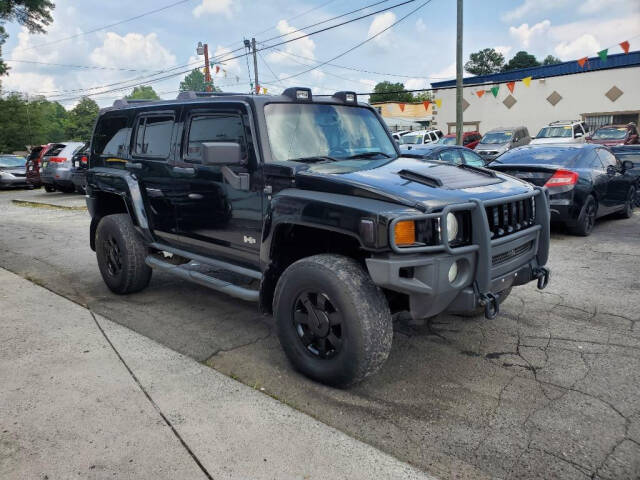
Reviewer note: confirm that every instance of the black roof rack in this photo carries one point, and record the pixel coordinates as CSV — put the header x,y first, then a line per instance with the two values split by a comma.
x,y
123,102
192,95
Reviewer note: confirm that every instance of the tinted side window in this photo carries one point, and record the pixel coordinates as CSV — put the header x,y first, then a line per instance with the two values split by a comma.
x,y
591,160
607,158
153,136
110,136
471,158
213,128
450,156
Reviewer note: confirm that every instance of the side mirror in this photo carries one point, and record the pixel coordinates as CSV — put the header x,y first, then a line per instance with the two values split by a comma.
x,y
221,153
627,165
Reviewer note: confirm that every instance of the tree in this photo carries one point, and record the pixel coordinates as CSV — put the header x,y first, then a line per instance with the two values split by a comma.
x,y
79,125
195,82
521,59
33,14
422,97
390,92
143,92
485,62
551,60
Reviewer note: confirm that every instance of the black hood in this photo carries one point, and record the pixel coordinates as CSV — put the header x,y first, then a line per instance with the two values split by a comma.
x,y
422,184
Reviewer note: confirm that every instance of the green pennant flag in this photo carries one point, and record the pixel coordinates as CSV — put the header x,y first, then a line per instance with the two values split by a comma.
x,y
603,54
494,90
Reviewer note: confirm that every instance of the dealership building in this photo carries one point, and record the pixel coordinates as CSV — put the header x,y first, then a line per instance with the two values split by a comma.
x,y
600,92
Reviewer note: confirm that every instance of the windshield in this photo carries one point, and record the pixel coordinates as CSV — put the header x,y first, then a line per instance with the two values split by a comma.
x,y
307,130
7,161
555,132
614,133
447,141
410,139
497,137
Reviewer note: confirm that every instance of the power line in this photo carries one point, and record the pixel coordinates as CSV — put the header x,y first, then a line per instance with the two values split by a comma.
x,y
70,37
88,67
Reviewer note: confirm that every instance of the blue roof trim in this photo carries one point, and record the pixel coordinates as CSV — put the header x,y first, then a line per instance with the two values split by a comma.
x,y
619,60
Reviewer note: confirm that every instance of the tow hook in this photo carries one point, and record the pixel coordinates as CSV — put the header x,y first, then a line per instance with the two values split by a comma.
x,y
542,274
491,306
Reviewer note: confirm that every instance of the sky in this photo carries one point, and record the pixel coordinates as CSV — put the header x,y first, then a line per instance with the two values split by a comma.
x,y
416,51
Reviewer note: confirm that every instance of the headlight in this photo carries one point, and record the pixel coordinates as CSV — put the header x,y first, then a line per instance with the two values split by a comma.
x,y
452,227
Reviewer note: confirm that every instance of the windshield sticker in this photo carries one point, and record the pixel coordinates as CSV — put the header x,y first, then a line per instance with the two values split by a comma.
x,y
568,127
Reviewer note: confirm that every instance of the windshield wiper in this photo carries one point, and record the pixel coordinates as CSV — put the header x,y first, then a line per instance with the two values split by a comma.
x,y
368,155
314,159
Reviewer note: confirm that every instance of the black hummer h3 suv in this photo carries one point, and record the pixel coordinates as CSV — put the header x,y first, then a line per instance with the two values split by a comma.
x,y
305,205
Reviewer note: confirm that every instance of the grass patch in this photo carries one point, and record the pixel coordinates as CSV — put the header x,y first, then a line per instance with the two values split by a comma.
x,y
48,206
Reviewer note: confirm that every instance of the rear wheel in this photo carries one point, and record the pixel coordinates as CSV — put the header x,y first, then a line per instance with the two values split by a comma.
x,y
121,255
333,323
587,218
627,212
49,188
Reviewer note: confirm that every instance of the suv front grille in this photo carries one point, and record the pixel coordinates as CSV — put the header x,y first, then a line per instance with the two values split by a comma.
x,y
511,217
506,256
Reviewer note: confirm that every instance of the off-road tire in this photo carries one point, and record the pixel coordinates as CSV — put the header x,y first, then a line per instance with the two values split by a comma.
x,y
133,274
366,326
49,188
627,212
67,189
479,310
586,219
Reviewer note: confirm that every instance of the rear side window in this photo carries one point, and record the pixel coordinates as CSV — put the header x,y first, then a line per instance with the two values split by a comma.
x,y
55,150
153,136
223,127
607,158
471,158
110,136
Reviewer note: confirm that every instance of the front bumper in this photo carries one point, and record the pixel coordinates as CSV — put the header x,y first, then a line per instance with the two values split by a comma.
x,y
486,267
12,181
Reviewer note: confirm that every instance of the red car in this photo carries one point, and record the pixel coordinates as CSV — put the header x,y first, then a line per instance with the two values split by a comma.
x,y
469,139
33,164
611,135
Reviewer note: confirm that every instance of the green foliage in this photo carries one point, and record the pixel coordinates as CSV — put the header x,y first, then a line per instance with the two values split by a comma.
x,y
422,97
380,94
79,125
551,60
143,92
33,14
485,62
194,81
521,59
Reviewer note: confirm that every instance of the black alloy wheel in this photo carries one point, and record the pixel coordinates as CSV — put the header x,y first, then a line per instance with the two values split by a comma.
x,y
590,216
318,324
113,256
629,204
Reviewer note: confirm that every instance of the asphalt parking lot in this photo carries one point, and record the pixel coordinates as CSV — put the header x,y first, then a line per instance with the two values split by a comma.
x,y
549,389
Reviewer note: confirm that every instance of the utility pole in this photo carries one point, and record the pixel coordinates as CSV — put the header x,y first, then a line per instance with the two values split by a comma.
x,y
255,64
207,69
459,122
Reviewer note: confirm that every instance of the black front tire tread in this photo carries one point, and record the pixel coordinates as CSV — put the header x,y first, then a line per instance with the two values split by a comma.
x,y
136,274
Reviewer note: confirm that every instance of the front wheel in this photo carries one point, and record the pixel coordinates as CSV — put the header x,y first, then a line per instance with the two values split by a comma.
x,y
49,188
333,322
121,255
629,204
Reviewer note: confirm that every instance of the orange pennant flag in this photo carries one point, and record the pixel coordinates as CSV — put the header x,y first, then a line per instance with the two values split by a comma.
x,y
426,104
401,105
511,86
625,46
480,93
582,61
217,69
258,89
527,81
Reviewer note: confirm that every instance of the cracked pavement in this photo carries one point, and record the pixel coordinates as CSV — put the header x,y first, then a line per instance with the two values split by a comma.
x,y
549,389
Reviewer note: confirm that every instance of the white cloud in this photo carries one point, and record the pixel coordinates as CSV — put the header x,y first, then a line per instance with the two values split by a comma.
x,y
529,7
525,34
584,46
28,82
378,24
143,51
588,7
416,83
421,27
503,49
213,7
305,47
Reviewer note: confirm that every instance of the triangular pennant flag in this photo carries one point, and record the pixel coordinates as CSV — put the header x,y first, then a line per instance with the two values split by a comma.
x,y
217,69
625,46
426,104
264,90
480,93
511,86
401,105
439,102
603,54
258,89
527,81
582,61
494,90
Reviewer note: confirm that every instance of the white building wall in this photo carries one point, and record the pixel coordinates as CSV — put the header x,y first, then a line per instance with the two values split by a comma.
x,y
582,93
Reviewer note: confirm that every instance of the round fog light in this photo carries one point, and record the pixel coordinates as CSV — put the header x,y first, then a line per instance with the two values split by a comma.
x,y
452,227
453,272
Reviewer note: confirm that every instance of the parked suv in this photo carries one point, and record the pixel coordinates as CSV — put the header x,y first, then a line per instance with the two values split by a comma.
x,y
306,206
420,137
79,166
571,131
469,139
499,140
34,161
611,135
55,170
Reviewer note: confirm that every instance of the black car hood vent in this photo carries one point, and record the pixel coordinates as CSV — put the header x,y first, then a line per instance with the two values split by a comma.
x,y
450,177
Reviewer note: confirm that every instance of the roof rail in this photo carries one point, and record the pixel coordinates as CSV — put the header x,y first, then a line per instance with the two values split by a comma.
x,y
123,102
564,121
192,95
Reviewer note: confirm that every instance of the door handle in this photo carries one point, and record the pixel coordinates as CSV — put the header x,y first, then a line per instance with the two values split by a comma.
x,y
195,196
154,192
135,165
184,170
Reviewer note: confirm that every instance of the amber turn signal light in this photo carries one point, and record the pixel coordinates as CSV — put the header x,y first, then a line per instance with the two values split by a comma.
x,y
405,233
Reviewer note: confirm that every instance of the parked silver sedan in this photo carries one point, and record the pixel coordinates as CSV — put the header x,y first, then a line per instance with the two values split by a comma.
x,y
56,168
13,171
